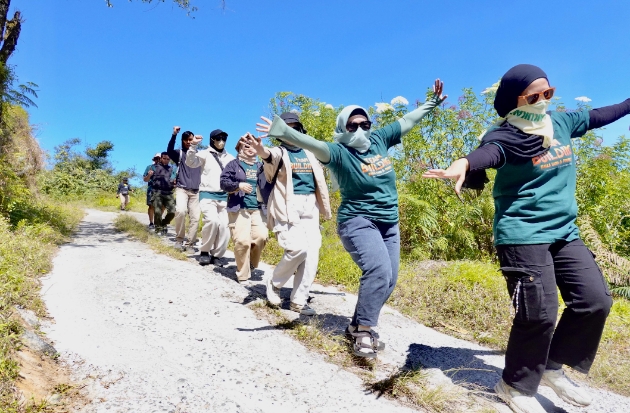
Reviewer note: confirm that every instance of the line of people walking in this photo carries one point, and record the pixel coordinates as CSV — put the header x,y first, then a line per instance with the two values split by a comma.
x,y
285,193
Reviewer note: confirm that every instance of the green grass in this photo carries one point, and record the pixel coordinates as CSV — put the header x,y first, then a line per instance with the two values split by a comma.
x,y
106,201
130,225
26,252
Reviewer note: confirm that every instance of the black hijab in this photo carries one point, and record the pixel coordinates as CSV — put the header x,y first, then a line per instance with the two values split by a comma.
x,y
518,146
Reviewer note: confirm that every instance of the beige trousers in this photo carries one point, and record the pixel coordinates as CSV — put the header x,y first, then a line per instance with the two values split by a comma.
x,y
186,202
214,233
124,200
250,236
301,243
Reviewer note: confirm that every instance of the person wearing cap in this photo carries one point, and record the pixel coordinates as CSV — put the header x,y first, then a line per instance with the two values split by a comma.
x,y
298,198
212,199
123,193
367,218
239,180
186,191
536,237
146,177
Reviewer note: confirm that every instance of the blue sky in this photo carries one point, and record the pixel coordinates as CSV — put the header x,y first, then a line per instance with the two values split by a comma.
x,y
129,73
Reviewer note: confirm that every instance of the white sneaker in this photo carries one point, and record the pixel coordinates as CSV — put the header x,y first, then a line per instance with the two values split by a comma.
x,y
517,401
565,389
272,293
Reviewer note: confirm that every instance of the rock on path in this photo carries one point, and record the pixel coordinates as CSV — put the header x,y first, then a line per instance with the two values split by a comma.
x,y
206,351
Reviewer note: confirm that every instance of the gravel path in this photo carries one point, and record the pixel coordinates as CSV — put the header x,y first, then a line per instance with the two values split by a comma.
x,y
151,334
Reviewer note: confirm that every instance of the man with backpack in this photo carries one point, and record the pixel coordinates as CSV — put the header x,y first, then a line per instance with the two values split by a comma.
x,y
161,175
123,193
297,195
212,199
186,191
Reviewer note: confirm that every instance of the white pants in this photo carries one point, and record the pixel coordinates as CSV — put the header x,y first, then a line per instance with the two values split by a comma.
x,y
186,202
215,234
301,243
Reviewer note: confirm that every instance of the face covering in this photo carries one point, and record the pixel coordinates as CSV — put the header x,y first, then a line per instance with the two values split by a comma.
x,y
533,120
289,146
359,140
218,144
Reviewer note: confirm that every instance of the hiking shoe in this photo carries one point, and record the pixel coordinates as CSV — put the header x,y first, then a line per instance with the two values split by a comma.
x,y
164,231
565,389
273,295
205,259
217,262
517,401
186,247
302,309
353,329
179,245
151,226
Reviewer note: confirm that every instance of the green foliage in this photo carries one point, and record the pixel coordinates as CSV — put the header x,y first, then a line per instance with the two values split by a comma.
x,y
82,175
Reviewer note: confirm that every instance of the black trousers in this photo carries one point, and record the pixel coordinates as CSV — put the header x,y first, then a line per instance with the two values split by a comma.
x,y
532,273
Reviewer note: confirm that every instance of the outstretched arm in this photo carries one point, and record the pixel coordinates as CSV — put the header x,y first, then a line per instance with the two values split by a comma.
x,y
279,130
601,117
412,118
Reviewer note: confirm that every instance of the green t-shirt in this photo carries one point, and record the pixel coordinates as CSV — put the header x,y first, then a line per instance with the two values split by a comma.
x,y
367,182
146,172
302,173
535,201
251,172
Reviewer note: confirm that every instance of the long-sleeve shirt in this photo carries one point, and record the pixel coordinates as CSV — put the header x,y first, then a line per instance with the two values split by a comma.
x,y
187,177
493,156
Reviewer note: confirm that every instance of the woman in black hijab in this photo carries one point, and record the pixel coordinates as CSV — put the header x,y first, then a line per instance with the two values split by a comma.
x,y
536,238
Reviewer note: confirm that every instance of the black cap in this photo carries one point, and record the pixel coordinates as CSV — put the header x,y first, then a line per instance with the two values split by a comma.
x,y
217,132
513,83
290,117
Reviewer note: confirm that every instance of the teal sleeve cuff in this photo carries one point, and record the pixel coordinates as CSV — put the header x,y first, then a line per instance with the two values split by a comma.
x,y
414,117
279,130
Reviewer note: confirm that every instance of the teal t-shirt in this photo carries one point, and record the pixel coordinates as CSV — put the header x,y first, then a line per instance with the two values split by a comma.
x,y
214,196
367,182
250,201
535,201
302,173
146,172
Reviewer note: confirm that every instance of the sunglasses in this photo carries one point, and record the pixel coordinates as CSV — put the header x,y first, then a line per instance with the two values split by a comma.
x,y
220,138
365,125
535,97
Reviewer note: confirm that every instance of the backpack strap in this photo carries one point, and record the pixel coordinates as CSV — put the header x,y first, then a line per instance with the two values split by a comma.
x,y
216,157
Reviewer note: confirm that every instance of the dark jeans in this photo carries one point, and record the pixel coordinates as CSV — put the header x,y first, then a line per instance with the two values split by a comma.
x,y
532,273
162,200
375,248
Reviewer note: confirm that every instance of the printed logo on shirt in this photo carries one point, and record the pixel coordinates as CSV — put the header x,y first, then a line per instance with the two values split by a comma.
x,y
378,165
301,166
557,156
251,173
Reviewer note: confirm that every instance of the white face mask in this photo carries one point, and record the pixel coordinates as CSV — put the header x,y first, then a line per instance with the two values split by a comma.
x,y
533,120
219,144
359,140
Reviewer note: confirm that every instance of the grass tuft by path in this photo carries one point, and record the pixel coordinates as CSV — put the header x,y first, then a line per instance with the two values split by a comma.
x,y
130,225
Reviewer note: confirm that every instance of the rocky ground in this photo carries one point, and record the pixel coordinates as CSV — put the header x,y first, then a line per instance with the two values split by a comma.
x,y
147,333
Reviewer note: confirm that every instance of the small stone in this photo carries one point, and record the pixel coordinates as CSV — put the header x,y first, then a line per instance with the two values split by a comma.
x,y
54,399
170,301
126,303
198,338
185,315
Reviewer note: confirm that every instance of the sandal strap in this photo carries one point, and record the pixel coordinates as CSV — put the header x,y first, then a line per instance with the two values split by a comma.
x,y
361,334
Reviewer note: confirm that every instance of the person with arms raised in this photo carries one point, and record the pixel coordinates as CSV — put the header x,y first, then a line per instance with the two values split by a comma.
x,y
536,238
367,217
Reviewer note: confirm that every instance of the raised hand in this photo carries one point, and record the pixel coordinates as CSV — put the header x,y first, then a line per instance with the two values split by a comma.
x,y
176,130
438,88
456,171
256,144
197,139
264,127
